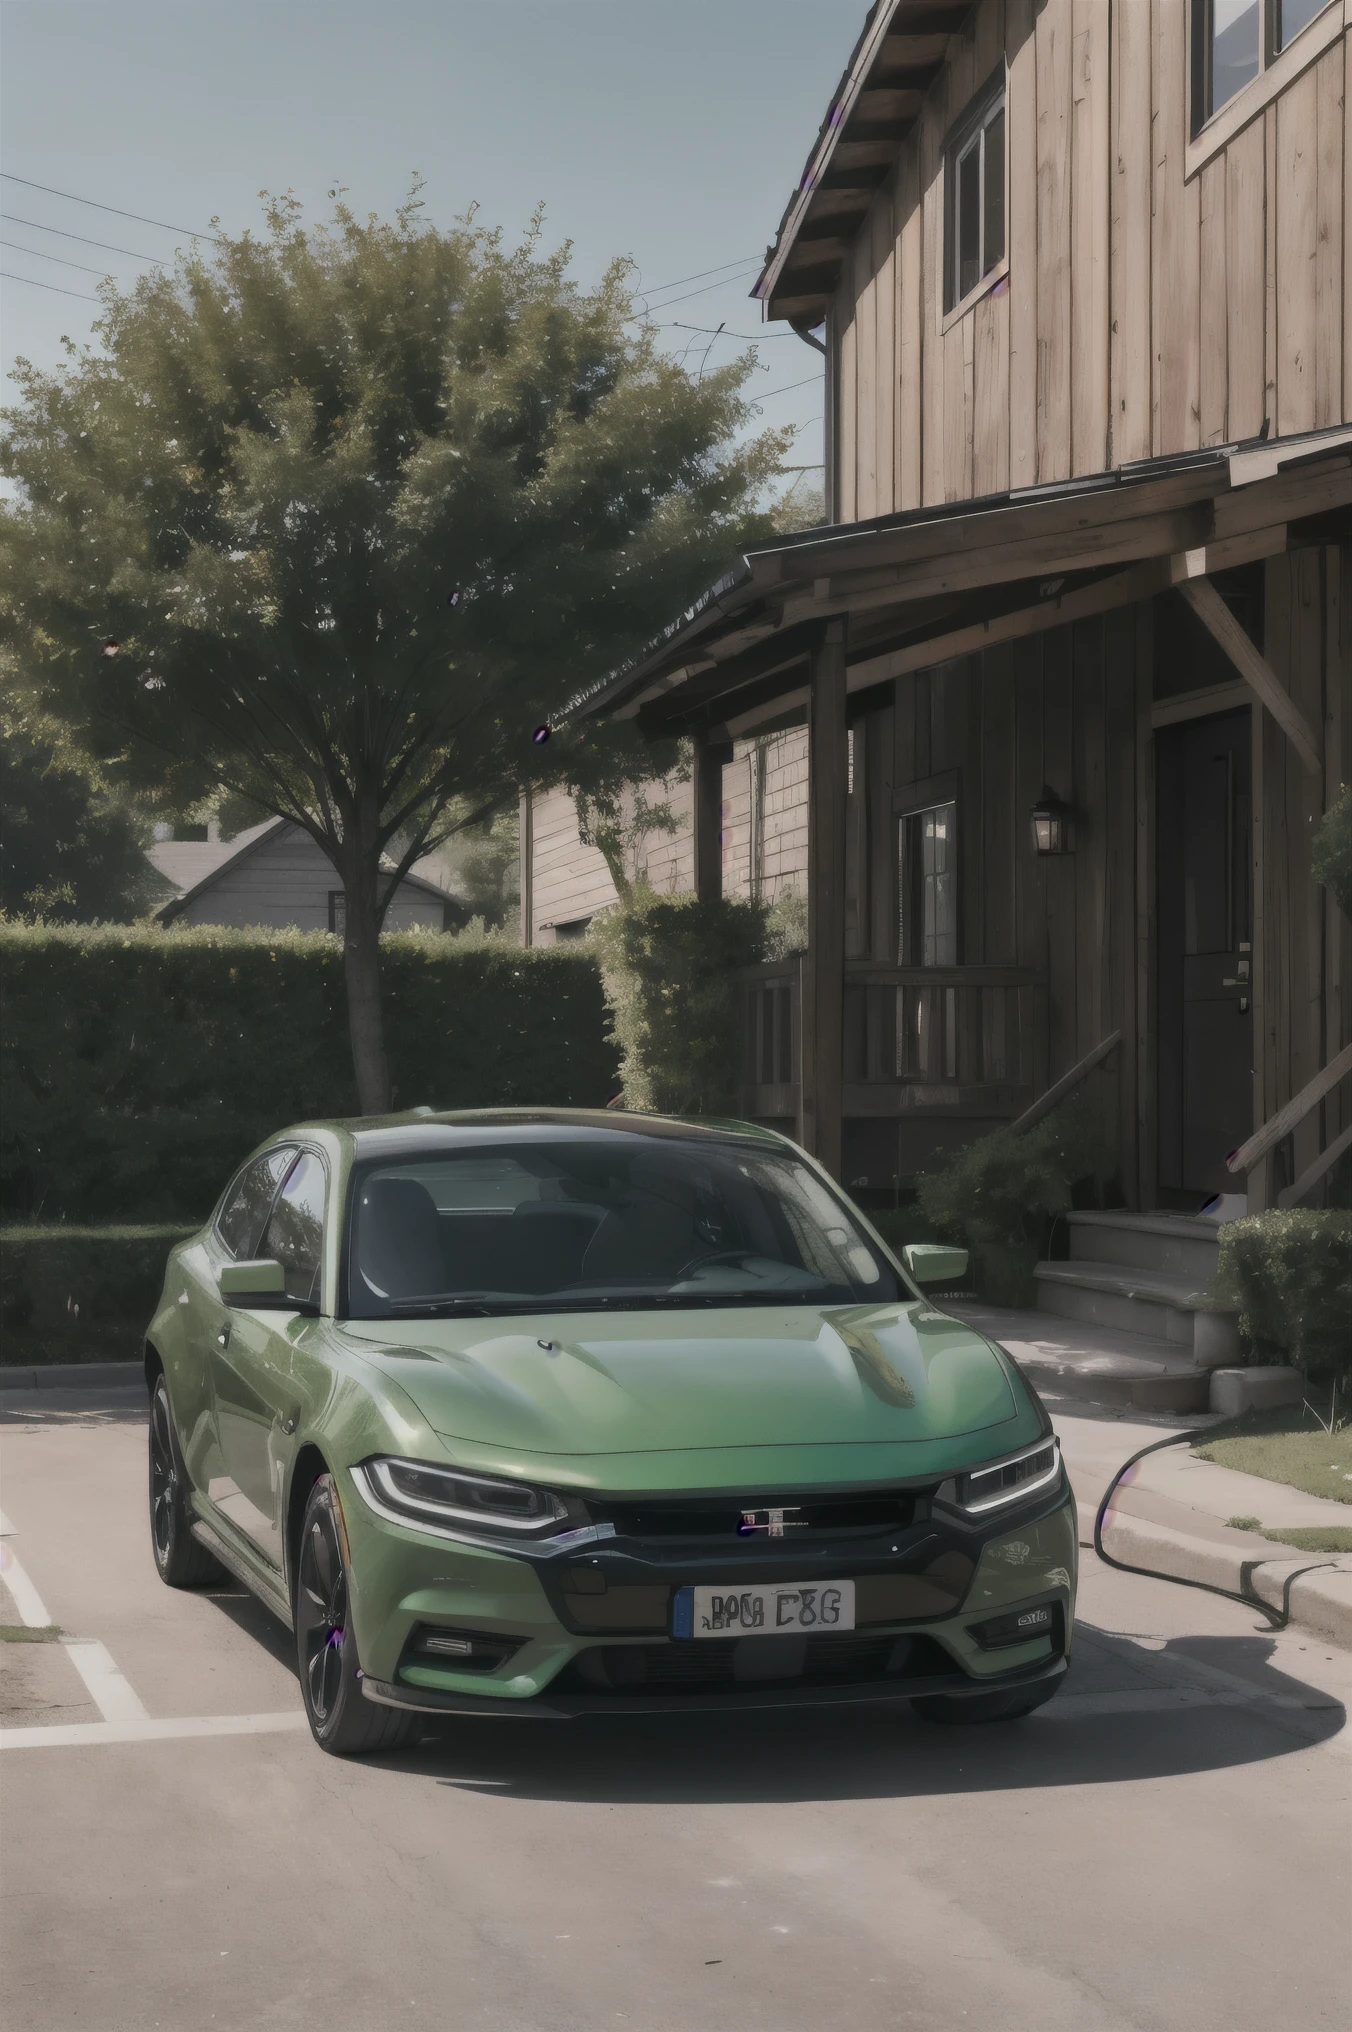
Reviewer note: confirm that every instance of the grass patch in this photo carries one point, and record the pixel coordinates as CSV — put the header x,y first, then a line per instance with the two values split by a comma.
x,y
21,1633
1305,1537
1281,1446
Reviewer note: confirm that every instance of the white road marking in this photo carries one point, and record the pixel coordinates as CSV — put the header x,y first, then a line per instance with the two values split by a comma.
x,y
75,1735
109,1690
32,1609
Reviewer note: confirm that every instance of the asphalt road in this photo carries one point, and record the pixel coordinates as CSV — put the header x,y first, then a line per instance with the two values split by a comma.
x,y
1167,1845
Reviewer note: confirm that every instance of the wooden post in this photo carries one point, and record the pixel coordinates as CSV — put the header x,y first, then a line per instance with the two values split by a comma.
x,y
824,970
707,787
526,838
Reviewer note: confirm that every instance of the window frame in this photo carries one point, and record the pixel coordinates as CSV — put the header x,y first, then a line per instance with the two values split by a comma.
x,y
303,1150
1277,68
905,813
259,1157
981,109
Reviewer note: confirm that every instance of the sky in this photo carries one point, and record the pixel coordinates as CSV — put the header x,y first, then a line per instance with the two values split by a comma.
x,y
671,131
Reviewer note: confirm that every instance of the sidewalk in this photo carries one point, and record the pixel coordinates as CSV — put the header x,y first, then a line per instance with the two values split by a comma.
x,y
1171,1513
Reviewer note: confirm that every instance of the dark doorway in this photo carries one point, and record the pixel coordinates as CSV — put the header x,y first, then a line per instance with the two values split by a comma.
x,y
1203,914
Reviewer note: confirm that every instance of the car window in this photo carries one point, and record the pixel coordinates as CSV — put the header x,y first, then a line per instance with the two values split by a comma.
x,y
604,1219
246,1208
295,1233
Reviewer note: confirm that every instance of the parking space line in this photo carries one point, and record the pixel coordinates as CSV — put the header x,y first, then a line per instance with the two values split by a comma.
x,y
110,1691
32,1609
76,1735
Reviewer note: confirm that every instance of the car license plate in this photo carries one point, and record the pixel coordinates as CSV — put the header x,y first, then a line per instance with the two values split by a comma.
x,y
763,1611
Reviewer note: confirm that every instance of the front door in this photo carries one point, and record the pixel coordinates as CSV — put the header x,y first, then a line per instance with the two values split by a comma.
x,y
1204,952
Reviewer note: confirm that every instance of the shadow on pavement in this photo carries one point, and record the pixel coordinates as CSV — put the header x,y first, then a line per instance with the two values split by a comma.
x,y
887,1752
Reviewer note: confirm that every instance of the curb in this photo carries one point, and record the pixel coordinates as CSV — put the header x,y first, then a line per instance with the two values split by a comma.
x,y
1181,1391
1314,1588
73,1375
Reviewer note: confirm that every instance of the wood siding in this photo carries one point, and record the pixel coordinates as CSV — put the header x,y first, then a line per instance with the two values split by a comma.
x,y
1159,297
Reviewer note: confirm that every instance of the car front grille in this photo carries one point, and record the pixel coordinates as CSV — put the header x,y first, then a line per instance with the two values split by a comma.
x,y
718,1664
794,1519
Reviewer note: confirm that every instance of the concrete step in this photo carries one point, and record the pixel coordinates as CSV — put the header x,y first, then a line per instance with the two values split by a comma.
x,y
1157,1303
1066,1358
1178,1245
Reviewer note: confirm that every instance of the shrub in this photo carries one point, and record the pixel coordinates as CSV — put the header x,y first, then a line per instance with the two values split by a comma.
x,y
669,964
138,1064
999,1196
1289,1273
69,1292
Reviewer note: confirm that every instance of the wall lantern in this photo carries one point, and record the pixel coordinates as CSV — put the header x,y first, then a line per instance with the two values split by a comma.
x,y
1051,823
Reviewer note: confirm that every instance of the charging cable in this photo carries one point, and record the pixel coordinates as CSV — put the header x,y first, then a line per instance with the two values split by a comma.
x,y
1279,1618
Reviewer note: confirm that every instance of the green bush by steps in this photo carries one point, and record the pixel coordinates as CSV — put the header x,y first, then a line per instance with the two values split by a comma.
x,y
76,1294
139,1064
1000,1196
1289,1274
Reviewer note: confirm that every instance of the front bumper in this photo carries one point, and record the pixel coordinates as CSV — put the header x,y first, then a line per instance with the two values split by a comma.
x,y
935,1582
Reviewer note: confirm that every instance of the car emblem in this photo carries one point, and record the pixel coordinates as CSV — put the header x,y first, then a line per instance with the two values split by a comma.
x,y
773,1522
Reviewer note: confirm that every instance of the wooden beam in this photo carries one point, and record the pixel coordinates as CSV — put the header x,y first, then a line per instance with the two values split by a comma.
x,y
823,996
1292,1195
1284,1121
526,835
1066,1084
707,786
1254,668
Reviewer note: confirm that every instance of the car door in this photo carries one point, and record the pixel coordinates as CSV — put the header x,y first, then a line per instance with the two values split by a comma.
x,y
256,1395
233,1236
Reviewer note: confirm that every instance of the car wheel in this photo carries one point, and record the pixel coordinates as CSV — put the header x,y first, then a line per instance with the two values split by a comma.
x,y
341,1721
985,1707
179,1560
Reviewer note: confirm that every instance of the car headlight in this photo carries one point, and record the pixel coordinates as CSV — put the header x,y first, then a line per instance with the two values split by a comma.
x,y
416,1492
999,1483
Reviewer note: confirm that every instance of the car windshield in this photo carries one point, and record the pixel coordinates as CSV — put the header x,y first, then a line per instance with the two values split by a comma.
x,y
603,1219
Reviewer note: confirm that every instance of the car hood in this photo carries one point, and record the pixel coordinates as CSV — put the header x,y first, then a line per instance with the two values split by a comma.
x,y
567,1384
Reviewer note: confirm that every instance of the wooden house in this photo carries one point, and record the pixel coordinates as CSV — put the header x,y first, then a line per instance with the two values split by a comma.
x,y
274,875
1067,676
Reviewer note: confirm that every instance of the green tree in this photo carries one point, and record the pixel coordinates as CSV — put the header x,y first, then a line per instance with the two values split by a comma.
x,y
337,518
70,851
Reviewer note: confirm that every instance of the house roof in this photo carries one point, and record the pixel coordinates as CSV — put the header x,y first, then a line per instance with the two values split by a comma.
x,y
943,580
195,866
874,107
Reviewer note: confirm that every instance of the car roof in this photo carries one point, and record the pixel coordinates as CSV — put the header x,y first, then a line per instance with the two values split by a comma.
x,y
422,1130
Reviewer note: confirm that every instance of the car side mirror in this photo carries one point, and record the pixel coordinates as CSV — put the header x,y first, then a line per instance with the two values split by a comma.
x,y
259,1285
935,1262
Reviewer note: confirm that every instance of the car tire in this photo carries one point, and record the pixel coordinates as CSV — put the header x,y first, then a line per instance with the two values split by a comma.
x,y
179,1560
341,1720
985,1707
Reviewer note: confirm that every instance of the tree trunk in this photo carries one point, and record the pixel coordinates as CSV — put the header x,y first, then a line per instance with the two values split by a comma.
x,y
361,967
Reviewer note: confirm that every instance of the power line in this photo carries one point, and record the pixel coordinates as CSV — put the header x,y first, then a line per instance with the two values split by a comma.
x,y
61,262
717,332
746,261
83,238
32,284
812,379
667,302
140,217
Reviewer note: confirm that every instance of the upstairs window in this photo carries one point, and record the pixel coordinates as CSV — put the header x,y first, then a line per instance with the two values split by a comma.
x,y
974,194
1234,40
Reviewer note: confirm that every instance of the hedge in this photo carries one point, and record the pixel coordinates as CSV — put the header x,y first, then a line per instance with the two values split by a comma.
x,y
1289,1274
139,1064
69,1292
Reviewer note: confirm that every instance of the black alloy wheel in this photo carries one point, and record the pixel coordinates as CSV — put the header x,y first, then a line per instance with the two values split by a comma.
x,y
341,1720
1010,1706
179,1560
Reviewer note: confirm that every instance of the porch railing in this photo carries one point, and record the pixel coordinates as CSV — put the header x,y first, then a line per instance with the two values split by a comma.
x,y
913,1036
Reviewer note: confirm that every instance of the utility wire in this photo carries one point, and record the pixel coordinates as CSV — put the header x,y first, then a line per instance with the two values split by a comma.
x,y
812,380
140,217
746,261
717,331
667,302
60,259
32,284
83,238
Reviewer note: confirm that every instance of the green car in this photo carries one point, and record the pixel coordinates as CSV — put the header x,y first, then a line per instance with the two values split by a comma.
x,y
553,1413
